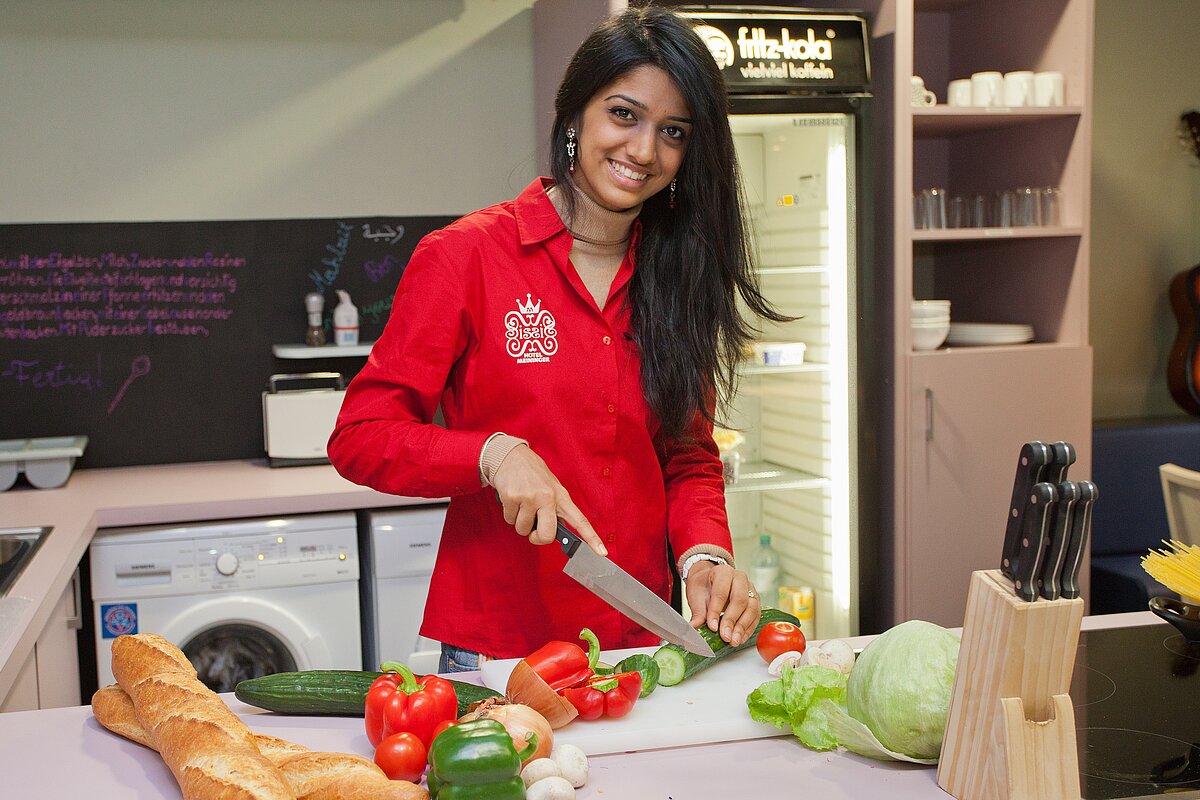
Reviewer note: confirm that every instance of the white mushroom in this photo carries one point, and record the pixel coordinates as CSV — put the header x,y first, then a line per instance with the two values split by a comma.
x,y
539,768
572,762
833,653
552,788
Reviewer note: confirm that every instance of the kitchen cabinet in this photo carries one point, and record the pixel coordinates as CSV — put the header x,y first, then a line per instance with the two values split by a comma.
x,y
50,676
970,414
960,414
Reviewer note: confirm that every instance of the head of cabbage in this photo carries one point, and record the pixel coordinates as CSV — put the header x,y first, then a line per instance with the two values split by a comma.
x,y
900,687
893,705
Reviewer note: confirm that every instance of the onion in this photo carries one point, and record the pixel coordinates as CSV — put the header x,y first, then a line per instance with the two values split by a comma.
x,y
528,688
519,720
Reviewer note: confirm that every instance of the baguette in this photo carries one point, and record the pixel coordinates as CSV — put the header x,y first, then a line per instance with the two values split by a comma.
x,y
207,747
310,775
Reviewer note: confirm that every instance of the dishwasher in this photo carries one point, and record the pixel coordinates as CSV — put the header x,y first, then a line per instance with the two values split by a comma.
x,y
398,548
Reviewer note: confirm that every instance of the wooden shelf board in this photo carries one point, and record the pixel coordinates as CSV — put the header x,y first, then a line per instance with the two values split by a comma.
x,y
325,351
931,121
973,234
964,351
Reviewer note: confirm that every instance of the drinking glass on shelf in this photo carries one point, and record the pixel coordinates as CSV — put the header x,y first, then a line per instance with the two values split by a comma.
x,y
1028,207
1005,211
957,212
980,211
1050,205
934,201
919,210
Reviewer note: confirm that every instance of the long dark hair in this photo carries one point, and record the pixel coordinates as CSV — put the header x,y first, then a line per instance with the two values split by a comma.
x,y
694,260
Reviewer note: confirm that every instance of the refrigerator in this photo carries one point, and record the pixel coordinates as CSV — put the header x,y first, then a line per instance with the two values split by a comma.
x,y
806,468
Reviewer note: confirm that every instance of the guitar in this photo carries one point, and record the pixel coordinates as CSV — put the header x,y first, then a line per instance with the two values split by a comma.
x,y
1189,132
1183,364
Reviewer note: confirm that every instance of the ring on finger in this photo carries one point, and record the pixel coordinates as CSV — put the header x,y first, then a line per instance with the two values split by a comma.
x,y
752,594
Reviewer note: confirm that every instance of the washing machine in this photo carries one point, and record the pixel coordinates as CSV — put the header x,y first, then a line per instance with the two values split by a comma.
x,y
241,598
399,547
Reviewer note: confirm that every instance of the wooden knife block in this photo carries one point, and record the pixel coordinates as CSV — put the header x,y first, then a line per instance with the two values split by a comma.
x,y
1010,734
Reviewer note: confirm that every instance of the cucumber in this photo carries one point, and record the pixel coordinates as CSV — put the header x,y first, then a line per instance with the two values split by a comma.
x,y
676,664
644,664
330,692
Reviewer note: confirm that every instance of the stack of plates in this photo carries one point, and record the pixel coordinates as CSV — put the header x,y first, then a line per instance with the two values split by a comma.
x,y
981,333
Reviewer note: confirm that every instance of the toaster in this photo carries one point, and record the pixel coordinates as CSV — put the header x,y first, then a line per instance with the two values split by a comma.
x,y
299,411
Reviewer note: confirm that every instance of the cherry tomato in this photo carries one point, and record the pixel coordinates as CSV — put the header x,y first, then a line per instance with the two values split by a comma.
x,y
402,757
776,638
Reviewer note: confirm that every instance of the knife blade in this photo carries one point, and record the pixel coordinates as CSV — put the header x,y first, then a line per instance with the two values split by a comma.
x,y
626,594
1035,528
1032,462
1062,456
1081,526
1049,577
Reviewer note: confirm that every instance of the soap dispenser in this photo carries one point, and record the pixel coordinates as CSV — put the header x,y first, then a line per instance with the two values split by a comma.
x,y
345,320
314,304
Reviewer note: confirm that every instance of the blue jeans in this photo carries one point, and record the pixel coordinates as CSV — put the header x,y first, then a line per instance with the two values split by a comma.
x,y
456,659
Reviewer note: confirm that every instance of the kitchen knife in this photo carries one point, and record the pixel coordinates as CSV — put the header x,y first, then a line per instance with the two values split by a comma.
x,y
1034,458
1081,526
623,592
1049,577
1062,456
1026,563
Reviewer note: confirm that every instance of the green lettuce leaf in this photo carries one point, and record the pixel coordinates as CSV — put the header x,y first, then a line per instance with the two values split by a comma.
x,y
792,700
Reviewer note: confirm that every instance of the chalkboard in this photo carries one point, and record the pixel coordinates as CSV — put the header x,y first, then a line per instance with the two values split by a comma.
x,y
154,339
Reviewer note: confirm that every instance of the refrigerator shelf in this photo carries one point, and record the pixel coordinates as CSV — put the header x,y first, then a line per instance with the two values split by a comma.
x,y
763,476
776,369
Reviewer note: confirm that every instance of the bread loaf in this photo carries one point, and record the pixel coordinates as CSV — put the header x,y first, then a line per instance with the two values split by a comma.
x,y
208,748
310,775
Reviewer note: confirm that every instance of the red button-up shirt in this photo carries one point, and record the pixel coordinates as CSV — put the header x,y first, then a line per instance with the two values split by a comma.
x,y
492,322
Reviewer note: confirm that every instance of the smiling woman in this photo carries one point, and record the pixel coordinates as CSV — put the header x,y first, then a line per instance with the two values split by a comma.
x,y
577,340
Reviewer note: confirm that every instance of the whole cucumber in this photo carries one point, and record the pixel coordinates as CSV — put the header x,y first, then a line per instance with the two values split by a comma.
x,y
330,692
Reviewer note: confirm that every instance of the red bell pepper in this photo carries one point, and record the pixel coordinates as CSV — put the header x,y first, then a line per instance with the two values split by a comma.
x,y
397,702
605,695
563,664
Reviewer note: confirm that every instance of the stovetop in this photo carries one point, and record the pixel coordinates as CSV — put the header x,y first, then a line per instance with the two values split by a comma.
x,y
1136,693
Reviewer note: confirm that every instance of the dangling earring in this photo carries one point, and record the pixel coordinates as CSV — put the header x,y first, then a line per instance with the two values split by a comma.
x,y
571,149
671,199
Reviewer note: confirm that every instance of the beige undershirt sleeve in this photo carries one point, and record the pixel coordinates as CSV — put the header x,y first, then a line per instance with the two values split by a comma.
x,y
710,549
495,450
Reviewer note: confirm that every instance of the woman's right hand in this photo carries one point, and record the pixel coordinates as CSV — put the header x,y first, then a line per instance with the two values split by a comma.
x,y
533,500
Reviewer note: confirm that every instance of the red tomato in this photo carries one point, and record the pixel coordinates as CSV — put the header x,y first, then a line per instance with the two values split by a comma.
x,y
776,638
402,757
441,726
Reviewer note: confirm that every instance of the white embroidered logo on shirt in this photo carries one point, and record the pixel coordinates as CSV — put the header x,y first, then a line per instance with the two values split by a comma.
x,y
531,332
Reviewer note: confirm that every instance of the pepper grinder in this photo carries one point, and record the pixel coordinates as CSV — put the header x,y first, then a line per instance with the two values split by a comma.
x,y
314,303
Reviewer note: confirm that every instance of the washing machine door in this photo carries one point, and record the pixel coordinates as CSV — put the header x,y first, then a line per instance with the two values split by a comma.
x,y
231,640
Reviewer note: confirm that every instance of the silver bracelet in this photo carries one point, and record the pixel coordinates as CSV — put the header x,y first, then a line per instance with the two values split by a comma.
x,y
691,561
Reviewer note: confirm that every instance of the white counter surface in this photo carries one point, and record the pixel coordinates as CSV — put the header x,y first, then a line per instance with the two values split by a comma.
x,y
62,753
172,493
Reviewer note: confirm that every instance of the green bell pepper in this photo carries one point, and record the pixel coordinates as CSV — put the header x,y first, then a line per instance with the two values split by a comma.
x,y
477,759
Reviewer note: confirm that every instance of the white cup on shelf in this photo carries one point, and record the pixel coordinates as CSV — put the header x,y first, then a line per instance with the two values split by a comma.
x,y
1048,89
987,89
920,96
1018,88
958,93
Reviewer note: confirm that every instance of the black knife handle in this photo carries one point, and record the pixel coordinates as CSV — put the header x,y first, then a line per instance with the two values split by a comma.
x,y
1061,459
1049,579
1081,526
1035,529
1034,458
568,539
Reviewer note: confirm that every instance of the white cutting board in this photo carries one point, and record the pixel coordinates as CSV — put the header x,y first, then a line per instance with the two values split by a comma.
x,y
710,707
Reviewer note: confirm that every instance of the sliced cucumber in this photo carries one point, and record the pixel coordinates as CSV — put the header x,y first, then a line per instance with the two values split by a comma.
x,y
643,664
676,664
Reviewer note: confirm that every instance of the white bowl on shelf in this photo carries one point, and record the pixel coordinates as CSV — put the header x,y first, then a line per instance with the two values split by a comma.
x,y
930,309
929,335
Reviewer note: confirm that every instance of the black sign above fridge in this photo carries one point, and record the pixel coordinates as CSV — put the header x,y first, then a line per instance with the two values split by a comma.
x,y
771,50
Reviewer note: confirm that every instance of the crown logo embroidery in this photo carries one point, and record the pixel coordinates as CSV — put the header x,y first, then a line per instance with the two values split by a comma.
x,y
530,332
529,308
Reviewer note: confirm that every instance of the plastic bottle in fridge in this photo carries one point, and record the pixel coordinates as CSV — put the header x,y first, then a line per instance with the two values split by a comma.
x,y
764,571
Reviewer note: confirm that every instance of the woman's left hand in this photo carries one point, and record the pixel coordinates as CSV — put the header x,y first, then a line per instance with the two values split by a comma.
x,y
719,594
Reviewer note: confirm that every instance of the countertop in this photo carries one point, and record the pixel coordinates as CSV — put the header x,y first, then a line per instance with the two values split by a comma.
x,y
64,753
165,494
